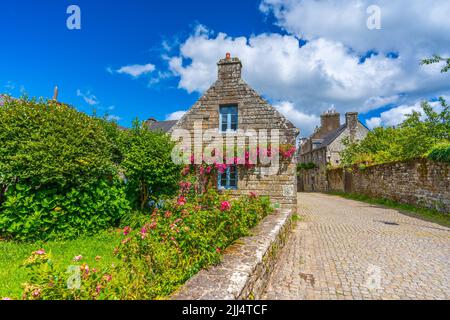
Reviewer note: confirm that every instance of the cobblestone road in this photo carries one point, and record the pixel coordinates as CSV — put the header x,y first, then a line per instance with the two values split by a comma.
x,y
344,250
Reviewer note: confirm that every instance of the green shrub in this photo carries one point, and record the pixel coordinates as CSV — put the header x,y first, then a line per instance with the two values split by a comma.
x,y
148,166
31,214
52,156
43,143
413,138
154,259
440,152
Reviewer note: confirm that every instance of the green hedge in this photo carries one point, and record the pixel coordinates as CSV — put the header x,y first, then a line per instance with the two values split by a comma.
x,y
52,156
440,152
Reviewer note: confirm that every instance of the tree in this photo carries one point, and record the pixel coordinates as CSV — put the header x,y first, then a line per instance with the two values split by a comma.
x,y
437,59
148,166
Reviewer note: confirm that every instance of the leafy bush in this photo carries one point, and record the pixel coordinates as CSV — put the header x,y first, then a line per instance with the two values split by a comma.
x,y
440,152
172,245
148,166
412,139
52,156
29,214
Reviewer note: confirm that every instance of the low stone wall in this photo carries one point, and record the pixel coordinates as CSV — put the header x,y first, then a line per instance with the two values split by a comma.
x,y
246,265
419,182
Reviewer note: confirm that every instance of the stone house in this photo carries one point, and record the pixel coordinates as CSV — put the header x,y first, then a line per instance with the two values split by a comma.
x,y
231,107
323,148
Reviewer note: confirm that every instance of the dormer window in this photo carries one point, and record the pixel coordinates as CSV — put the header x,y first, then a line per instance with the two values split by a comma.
x,y
228,118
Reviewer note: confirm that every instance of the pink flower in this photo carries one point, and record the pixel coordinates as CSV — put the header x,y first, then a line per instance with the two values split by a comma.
x,y
77,258
143,232
98,288
202,170
218,250
85,268
6,298
107,277
221,167
153,225
126,231
168,214
181,201
186,171
253,195
36,293
208,169
40,252
225,206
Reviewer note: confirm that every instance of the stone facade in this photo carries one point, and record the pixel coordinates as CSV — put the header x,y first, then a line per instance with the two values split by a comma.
x,y
254,113
323,148
419,182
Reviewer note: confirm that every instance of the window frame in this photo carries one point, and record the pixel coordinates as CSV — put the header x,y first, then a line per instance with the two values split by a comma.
x,y
228,179
229,118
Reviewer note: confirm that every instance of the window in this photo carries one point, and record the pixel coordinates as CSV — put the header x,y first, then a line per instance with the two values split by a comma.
x,y
228,179
228,118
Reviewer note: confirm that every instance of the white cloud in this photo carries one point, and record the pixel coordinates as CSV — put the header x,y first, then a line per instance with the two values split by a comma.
x,y
113,118
313,76
175,115
397,115
136,70
406,26
307,122
89,98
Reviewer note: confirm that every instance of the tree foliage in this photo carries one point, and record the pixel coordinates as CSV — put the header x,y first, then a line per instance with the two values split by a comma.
x,y
415,137
58,171
438,59
148,166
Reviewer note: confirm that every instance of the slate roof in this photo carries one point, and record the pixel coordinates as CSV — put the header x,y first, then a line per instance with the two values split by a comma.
x,y
329,138
163,126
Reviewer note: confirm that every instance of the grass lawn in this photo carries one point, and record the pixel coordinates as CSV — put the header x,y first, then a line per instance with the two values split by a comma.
x,y
12,254
421,213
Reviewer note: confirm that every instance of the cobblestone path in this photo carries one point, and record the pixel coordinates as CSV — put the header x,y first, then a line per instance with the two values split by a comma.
x,y
344,250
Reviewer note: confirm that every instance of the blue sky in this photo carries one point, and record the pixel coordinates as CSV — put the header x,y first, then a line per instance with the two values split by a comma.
x,y
176,41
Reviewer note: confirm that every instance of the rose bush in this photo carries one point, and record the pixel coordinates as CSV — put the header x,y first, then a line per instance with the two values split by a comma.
x,y
157,254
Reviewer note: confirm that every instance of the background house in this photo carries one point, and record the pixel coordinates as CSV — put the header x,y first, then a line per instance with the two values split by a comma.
x,y
323,148
230,104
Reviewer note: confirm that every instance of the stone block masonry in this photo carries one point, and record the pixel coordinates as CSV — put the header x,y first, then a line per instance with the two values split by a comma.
x,y
420,182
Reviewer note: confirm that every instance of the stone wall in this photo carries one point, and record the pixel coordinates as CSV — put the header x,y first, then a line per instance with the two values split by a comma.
x,y
419,182
246,265
254,115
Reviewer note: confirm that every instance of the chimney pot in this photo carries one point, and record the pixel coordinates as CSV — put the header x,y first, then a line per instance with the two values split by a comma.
x,y
229,68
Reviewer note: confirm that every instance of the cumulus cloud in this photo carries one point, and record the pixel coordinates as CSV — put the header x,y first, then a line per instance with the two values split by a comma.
x,y
328,69
175,115
406,26
136,70
307,122
88,97
397,115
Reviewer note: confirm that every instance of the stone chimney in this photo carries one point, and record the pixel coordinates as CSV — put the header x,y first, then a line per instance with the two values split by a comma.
x,y
229,68
351,121
329,121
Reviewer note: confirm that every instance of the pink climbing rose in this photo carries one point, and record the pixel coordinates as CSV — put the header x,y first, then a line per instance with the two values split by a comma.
x,y
40,252
126,231
225,206
77,258
181,201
